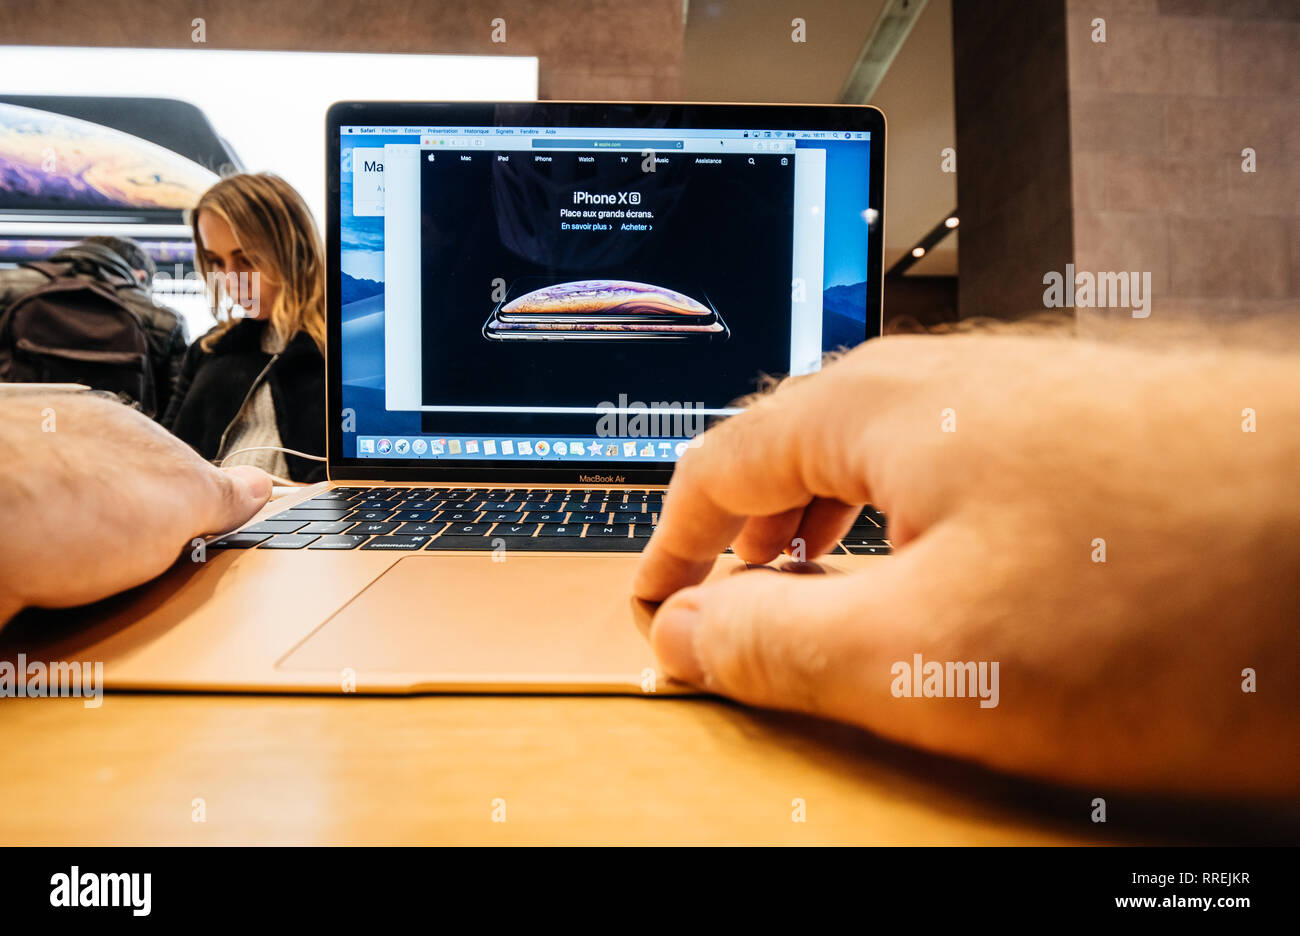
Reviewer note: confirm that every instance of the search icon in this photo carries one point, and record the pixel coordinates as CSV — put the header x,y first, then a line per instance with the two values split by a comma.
x,y
751,160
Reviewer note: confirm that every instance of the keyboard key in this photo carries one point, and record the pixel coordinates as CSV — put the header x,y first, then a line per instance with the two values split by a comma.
x,y
420,529
474,506
468,529
532,505
868,539
506,506
560,529
372,504
421,505
239,541
540,544
584,544
625,508
412,516
865,536
877,549
514,529
373,529
588,518
643,518
358,515
618,529
397,542
338,541
327,527
479,543
307,514
288,541
868,532
275,526
463,516
643,530
544,517
501,518
329,497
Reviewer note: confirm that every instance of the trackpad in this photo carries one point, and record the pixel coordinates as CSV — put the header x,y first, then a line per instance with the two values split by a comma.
x,y
565,623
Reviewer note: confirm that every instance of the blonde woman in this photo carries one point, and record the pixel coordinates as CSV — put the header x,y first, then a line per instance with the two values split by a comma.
x,y
255,383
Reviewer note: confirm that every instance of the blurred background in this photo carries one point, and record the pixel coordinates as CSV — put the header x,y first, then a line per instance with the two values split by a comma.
x,y
1158,136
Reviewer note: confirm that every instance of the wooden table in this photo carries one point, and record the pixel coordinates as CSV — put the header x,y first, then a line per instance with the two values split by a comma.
x,y
570,769
352,769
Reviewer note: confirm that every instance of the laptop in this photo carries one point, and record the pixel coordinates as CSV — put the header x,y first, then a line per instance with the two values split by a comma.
x,y
533,311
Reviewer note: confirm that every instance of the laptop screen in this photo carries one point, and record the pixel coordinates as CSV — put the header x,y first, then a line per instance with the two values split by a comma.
x,y
594,295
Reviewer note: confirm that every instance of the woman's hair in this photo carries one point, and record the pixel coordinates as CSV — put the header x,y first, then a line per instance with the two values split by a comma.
x,y
275,229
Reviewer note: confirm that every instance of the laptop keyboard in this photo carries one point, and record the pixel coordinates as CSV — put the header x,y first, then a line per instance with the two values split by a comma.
x,y
487,519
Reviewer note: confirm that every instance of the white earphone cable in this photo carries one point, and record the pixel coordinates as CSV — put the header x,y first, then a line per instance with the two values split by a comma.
x,y
274,448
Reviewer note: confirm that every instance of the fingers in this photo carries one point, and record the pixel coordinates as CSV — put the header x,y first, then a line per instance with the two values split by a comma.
x,y
239,493
829,645
799,642
824,523
803,532
762,539
771,461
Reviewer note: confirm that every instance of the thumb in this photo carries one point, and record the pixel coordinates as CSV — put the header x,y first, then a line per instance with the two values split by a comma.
x,y
243,490
777,639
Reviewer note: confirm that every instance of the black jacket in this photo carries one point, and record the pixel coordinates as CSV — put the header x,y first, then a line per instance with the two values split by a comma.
x,y
214,384
164,331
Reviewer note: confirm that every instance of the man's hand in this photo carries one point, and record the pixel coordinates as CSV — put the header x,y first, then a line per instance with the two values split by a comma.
x,y
97,498
1010,468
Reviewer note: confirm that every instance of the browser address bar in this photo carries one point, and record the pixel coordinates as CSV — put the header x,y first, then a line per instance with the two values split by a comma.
x,y
638,145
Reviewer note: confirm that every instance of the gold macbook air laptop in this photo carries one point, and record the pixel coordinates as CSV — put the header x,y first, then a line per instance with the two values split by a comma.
x,y
533,309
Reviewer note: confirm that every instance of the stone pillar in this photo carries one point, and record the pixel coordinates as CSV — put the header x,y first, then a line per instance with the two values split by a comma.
x,y
1119,135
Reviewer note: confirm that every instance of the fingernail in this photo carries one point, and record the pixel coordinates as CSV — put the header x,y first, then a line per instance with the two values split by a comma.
x,y
672,635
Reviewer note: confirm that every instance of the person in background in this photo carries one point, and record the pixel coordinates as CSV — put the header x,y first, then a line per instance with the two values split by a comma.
x,y
255,383
124,266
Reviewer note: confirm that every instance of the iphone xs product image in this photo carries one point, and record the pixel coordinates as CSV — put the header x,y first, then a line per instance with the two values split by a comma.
x,y
535,309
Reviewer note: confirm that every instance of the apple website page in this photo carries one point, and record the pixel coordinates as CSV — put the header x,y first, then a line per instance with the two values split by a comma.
x,y
582,294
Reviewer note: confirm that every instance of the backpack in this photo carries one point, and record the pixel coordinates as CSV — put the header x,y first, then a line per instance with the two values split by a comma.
x,y
78,328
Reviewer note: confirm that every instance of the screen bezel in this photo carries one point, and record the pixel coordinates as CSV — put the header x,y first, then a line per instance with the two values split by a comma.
x,y
838,117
